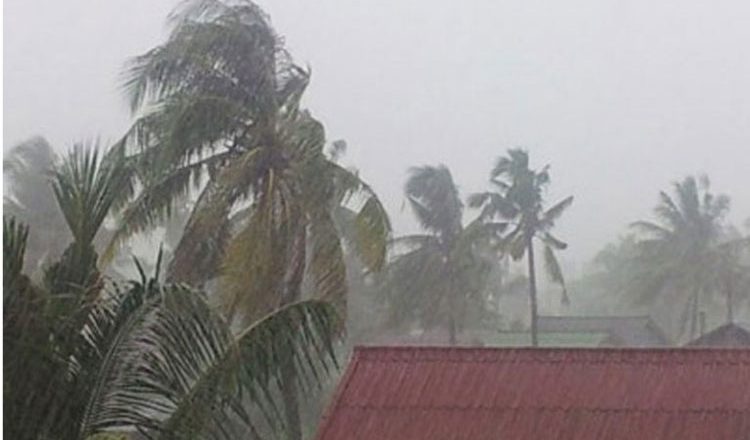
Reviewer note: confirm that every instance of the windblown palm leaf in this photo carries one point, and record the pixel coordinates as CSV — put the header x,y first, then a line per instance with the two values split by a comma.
x,y
178,372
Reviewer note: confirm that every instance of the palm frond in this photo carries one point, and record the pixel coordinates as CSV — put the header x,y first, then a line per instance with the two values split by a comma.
x,y
326,264
493,205
15,236
552,214
199,252
652,228
85,188
552,267
155,201
510,165
553,242
370,228
194,375
434,197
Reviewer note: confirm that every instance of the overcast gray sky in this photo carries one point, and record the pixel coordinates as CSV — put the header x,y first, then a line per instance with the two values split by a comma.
x,y
621,97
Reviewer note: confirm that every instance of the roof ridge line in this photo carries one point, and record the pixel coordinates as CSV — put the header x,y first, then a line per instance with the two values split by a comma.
x,y
720,410
682,349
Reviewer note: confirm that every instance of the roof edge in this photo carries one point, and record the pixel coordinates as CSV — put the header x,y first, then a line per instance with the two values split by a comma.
x,y
325,418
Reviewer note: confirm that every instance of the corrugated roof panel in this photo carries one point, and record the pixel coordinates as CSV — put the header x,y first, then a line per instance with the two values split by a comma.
x,y
460,393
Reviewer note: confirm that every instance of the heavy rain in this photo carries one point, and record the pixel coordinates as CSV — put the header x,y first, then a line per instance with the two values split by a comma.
x,y
367,219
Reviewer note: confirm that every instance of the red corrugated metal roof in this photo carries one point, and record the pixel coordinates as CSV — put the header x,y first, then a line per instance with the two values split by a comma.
x,y
441,393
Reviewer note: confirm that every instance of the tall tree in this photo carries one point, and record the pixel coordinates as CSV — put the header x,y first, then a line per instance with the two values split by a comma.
x,y
27,169
219,112
519,199
439,274
84,357
147,356
686,248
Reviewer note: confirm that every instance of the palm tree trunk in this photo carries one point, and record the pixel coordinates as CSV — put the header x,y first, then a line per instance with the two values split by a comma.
x,y
694,314
452,309
730,305
452,329
532,290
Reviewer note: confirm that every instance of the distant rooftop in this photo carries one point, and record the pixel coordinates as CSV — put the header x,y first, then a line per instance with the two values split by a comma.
x,y
624,331
728,335
546,339
448,393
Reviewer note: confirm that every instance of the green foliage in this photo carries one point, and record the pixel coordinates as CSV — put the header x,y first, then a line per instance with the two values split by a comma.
x,y
29,198
88,358
148,356
218,116
519,199
85,187
236,134
688,250
438,279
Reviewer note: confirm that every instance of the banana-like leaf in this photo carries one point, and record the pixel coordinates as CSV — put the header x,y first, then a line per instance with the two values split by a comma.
x,y
552,267
552,214
553,242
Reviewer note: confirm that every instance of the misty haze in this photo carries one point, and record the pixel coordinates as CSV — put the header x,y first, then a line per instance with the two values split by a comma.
x,y
357,219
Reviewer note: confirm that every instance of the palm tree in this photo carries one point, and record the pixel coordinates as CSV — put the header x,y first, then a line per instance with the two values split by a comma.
x,y
148,356
519,199
442,271
29,198
681,247
222,115
218,108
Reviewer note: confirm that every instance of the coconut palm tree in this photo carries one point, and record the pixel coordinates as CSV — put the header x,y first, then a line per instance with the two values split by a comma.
x,y
218,115
148,356
219,108
29,198
682,247
440,273
519,199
